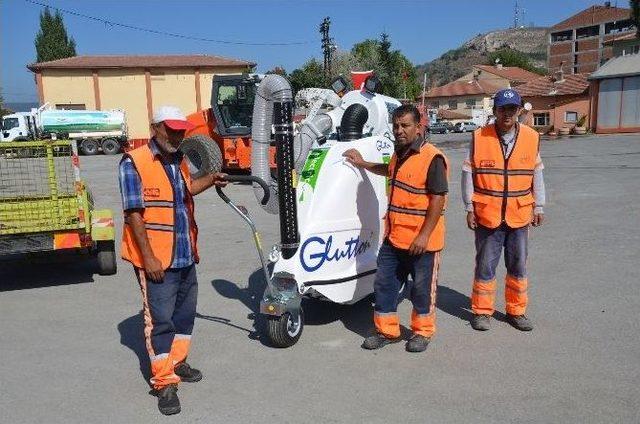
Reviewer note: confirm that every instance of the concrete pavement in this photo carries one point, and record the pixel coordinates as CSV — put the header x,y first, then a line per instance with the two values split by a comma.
x,y
72,350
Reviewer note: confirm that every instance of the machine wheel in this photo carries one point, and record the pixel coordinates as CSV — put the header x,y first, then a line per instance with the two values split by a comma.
x,y
89,147
106,255
283,331
110,146
203,153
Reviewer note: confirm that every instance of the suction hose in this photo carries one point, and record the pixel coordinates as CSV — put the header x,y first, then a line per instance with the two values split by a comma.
x,y
274,105
309,132
352,122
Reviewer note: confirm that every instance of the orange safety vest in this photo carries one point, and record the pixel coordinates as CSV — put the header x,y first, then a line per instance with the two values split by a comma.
x,y
408,200
159,210
502,186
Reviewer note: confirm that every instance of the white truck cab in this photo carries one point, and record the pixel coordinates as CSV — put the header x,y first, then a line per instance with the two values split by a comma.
x,y
17,126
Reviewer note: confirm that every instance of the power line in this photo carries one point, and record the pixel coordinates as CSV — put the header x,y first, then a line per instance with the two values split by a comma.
x,y
168,34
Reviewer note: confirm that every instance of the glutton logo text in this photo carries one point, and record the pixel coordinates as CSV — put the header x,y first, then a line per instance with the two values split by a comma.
x,y
316,251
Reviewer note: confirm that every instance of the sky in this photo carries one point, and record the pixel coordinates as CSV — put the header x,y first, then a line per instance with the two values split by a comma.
x,y
422,30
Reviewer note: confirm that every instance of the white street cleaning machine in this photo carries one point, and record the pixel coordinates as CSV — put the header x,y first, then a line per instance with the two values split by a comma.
x,y
331,213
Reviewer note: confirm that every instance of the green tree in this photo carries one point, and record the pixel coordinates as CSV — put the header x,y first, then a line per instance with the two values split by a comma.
x,y
3,110
511,57
309,75
397,73
635,14
278,70
52,41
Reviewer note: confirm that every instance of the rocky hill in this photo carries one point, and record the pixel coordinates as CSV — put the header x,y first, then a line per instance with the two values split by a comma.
x,y
532,42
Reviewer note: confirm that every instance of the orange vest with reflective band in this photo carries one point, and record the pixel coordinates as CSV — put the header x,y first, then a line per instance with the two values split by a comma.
x,y
159,210
502,186
408,200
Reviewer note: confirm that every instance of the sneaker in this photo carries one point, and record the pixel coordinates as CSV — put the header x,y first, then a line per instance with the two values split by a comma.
x,y
168,402
186,373
520,322
418,343
377,341
480,322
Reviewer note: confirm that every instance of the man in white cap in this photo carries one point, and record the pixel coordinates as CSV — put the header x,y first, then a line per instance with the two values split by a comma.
x,y
160,240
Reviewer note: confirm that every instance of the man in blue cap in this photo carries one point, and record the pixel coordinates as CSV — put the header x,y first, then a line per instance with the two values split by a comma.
x,y
503,194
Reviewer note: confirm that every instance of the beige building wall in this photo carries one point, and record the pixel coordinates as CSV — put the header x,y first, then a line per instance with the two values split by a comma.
x,y
68,87
125,89
175,87
479,102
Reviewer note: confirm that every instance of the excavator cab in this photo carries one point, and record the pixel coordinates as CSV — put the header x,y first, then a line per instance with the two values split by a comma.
x,y
232,98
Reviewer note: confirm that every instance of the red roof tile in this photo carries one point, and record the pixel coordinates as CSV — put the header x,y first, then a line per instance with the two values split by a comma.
x,y
545,86
153,61
511,73
592,16
463,88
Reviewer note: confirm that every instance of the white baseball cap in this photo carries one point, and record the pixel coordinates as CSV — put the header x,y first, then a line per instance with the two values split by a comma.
x,y
172,117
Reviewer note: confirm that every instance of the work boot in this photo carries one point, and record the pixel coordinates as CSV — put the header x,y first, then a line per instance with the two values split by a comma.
x,y
418,343
168,402
377,341
186,373
520,322
480,322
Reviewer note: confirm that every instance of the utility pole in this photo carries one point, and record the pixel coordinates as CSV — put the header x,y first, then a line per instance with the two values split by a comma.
x,y
327,45
515,15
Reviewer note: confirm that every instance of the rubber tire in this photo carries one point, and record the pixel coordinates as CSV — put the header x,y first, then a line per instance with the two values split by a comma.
x,y
277,330
106,256
89,147
203,153
110,146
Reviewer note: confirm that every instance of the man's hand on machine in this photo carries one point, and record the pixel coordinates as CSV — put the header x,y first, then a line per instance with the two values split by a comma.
x,y
219,179
354,158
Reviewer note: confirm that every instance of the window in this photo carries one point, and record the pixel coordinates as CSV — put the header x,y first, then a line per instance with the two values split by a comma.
x,y
453,104
8,123
71,106
561,36
435,104
631,50
541,119
618,26
571,117
470,103
590,31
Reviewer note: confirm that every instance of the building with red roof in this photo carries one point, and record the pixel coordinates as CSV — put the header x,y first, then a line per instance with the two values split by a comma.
x,y
136,84
558,100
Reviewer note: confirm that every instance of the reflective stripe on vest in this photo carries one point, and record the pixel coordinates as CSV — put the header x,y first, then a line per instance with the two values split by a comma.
x,y
409,200
503,185
159,212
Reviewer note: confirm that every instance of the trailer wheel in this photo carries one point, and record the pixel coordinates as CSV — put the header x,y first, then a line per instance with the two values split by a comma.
x,y
284,331
110,146
89,147
106,257
203,153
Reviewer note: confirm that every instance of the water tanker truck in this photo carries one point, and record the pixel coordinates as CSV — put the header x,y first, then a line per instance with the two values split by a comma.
x,y
93,130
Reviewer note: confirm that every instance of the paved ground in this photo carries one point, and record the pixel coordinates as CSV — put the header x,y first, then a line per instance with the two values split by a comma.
x,y
72,351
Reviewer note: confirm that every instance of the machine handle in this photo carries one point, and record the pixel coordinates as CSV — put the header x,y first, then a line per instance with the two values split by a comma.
x,y
246,178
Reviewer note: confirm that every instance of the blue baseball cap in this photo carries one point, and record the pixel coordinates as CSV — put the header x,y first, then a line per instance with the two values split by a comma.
x,y
506,97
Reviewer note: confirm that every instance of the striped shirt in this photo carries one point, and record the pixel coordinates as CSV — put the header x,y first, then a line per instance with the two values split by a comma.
x,y
131,192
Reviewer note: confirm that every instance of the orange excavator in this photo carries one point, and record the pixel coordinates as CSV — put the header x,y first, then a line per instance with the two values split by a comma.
x,y
227,124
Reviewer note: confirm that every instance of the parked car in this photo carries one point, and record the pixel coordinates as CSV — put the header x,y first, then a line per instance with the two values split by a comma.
x,y
440,128
465,127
